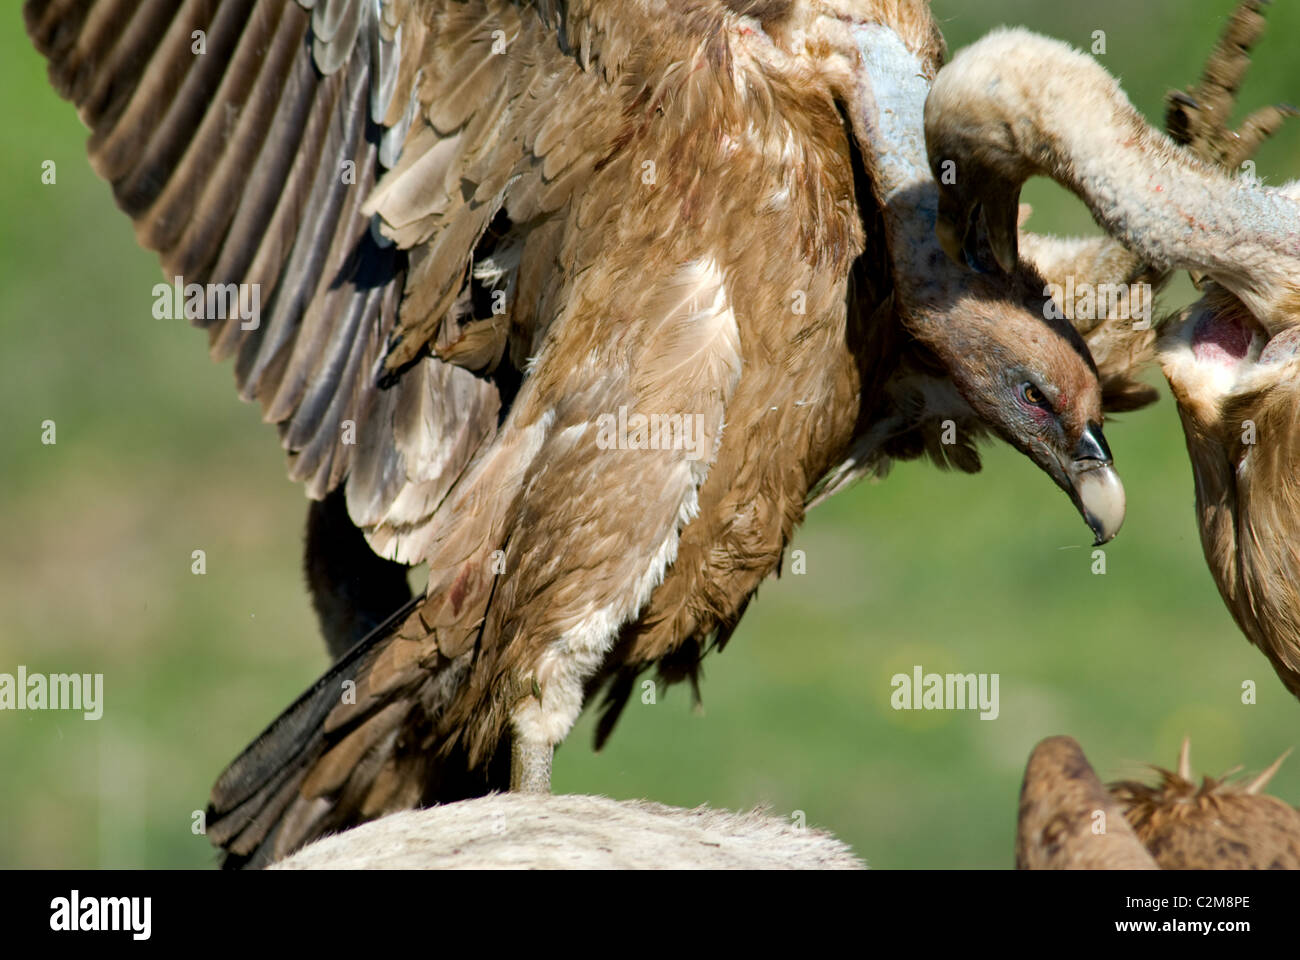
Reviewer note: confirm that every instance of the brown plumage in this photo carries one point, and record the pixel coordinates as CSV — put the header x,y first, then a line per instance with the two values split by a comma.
x,y
1221,825
482,227
1068,820
1231,359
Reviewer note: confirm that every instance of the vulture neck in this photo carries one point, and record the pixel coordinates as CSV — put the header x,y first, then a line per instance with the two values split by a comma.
x,y
1076,125
893,90
889,119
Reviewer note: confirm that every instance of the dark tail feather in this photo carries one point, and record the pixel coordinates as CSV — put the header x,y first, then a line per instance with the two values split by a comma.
x,y
611,708
250,798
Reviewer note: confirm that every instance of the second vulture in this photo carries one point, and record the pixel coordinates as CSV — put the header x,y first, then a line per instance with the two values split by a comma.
x,y
1233,358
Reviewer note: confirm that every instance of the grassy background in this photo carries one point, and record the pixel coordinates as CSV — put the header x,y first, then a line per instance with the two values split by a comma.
x,y
156,458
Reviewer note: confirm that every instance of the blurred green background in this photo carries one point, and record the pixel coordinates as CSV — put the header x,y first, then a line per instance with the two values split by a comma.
x,y
156,458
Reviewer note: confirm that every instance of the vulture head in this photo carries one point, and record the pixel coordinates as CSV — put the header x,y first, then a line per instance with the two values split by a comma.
x,y
1015,105
1024,372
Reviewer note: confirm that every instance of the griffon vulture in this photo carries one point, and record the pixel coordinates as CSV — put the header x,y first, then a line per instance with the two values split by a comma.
x,y
484,233
1016,104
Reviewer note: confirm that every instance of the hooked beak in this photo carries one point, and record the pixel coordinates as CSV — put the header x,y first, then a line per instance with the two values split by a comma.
x,y
1094,486
961,215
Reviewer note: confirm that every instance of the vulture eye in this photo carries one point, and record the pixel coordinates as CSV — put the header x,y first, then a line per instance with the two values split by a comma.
x,y
1032,395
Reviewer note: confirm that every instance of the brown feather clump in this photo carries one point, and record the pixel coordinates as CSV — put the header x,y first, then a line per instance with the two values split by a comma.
x,y
1069,821
1225,823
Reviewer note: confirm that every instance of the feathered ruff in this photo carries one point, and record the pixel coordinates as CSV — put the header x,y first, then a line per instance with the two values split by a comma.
x,y
1222,824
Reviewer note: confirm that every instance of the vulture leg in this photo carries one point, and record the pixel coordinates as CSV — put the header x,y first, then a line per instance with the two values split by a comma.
x,y
1198,117
352,588
530,766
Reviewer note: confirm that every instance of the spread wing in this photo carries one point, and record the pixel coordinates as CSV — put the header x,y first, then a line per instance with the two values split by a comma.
x,y
381,171
351,161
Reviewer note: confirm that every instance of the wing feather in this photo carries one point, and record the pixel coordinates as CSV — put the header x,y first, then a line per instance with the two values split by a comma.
x,y
245,138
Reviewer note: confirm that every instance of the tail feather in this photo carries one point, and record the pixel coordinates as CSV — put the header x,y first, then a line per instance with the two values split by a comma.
x,y
395,723
276,795
292,730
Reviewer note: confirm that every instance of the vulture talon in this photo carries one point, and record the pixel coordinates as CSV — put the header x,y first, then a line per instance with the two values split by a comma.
x,y
1254,130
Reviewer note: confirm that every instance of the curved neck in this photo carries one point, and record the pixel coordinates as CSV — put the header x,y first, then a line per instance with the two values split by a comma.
x,y
1077,126
889,123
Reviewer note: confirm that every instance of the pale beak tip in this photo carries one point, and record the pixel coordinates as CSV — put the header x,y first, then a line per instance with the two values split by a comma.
x,y
1100,536
1101,498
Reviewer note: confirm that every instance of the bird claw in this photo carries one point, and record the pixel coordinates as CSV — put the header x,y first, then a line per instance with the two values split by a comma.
x,y
1197,118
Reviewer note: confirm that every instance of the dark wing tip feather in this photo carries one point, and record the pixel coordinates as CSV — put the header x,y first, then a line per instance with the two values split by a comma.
x,y
230,165
611,707
250,797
